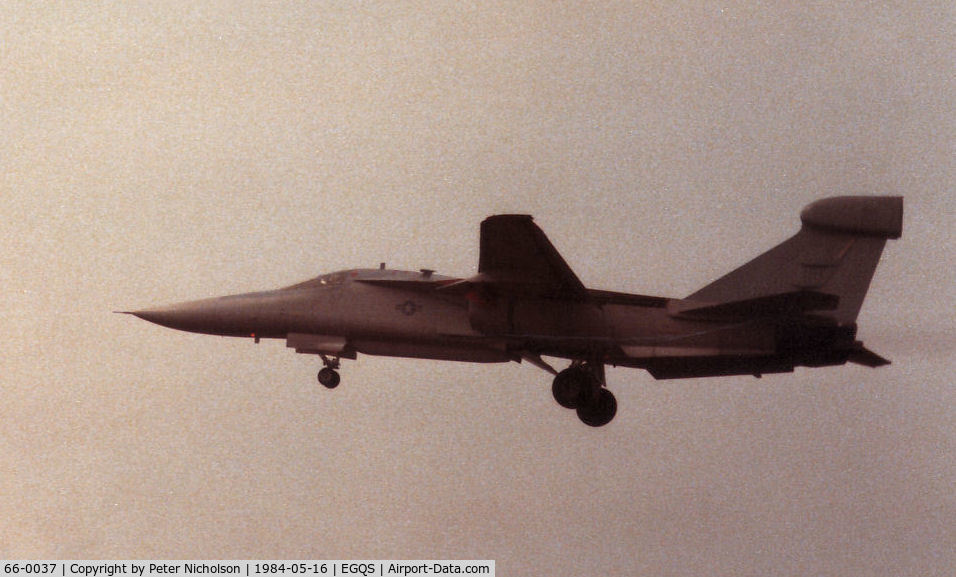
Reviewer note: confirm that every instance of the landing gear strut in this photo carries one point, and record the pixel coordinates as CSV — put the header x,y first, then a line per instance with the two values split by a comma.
x,y
329,376
581,387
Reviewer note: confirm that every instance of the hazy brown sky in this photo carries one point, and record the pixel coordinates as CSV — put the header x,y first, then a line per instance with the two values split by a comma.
x,y
155,152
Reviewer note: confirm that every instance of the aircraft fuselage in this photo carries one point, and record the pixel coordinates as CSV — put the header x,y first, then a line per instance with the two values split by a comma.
x,y
794,305
419,320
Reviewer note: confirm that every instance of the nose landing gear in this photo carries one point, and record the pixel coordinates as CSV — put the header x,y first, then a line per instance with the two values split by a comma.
x,y
329,377
581,387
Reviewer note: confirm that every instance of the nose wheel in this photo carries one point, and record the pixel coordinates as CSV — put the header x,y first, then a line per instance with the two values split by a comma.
x,y
581,387
329,377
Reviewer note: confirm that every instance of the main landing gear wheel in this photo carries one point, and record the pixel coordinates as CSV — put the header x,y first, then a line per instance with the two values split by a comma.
x,y
600,410
581,387
329,378
569,386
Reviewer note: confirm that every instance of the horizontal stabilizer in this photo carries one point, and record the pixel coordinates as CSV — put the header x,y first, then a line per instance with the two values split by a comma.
x,y
776,305
867,358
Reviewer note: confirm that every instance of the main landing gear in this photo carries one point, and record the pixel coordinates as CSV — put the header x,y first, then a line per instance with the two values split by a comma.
x,y
581,387
329,376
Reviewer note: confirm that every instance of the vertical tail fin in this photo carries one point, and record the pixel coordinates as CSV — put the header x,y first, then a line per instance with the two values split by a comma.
x,y
836,252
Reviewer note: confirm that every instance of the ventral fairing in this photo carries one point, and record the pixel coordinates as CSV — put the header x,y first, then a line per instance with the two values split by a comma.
x,y
794,305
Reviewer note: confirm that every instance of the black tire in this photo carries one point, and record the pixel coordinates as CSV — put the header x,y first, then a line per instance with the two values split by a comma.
x,y
600,411
329,378
568,387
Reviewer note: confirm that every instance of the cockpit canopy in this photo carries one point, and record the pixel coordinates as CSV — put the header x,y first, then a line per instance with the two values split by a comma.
x,y
326,280
381,276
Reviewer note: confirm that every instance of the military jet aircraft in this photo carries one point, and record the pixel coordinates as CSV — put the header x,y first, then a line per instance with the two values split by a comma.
x,y
794,305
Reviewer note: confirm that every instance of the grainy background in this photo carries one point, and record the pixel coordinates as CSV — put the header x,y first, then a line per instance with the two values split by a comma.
x,y
157,152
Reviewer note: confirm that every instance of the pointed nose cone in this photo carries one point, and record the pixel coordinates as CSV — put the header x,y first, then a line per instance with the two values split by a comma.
x,y
242,315
193,316
165,316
